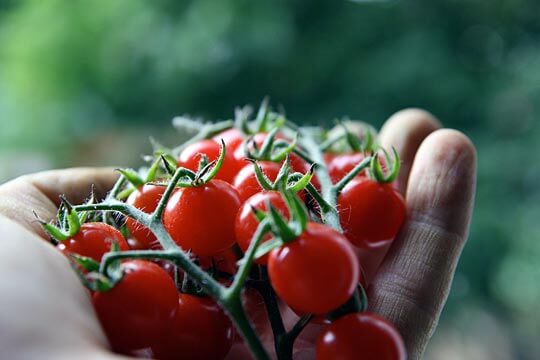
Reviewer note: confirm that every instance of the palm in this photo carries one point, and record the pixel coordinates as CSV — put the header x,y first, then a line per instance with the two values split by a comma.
x,y
44,309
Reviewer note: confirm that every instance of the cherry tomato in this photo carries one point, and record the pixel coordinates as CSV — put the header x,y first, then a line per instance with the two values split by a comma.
x,y
341,164
202,218
93,240
231,137
139,309
371,213
201,330
246,224
315,273
145,198
363,336
191,156
246,181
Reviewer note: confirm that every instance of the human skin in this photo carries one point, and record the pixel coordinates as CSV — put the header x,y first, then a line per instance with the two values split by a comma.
x,y
45,312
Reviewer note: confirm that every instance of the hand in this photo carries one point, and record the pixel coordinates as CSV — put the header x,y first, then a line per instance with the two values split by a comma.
x,y
45,311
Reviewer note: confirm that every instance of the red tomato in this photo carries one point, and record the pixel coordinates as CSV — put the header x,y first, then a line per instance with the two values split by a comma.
x,y
231,137
202,218
246,224
315,273
139,309
145,198
363,336
340,165
201,330
191,156
246,181
93,240
371,213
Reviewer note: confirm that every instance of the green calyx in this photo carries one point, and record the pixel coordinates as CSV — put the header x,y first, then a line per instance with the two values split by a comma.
x,y
283,231
91,274
392,165
343,139
69,220
295,182
272,149
187,178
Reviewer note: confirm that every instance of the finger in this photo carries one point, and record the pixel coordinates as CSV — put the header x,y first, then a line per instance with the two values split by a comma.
x,y
39,290
40,192
405,131
412,284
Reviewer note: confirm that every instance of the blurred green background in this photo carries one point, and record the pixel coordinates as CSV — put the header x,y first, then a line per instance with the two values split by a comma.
x,y
86,83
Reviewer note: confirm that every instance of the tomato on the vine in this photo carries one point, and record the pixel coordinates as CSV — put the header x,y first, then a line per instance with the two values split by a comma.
x,y
246,224
361,336
140,308
340,165
315,273
145,198
231,137
246,181
200,330
201,218
93,240
371,213
192,154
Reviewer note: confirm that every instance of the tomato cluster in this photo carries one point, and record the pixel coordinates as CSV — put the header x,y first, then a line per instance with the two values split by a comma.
x,y
310,265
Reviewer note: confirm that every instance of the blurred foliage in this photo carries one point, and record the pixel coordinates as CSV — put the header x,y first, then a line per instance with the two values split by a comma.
x,y
71,69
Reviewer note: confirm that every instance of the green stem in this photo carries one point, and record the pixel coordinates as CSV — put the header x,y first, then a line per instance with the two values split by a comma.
x,y
247,262
328,143
329,213
352,174
172,252
272,309
178,174
118,185
286,342
234,307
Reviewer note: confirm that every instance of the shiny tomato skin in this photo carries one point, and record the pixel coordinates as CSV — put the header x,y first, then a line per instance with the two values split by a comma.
x,y
139,309
341,164
246,181
246,224
191,156
315,273
93,240
231,137
371,213
200,331
202,218
364,336
145,198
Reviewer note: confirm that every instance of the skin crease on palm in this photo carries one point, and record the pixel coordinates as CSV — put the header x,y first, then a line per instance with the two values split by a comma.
x,y
45,313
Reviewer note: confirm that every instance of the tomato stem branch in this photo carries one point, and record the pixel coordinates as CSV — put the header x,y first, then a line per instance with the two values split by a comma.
x,y
247,262
338,187
233,306
329,212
